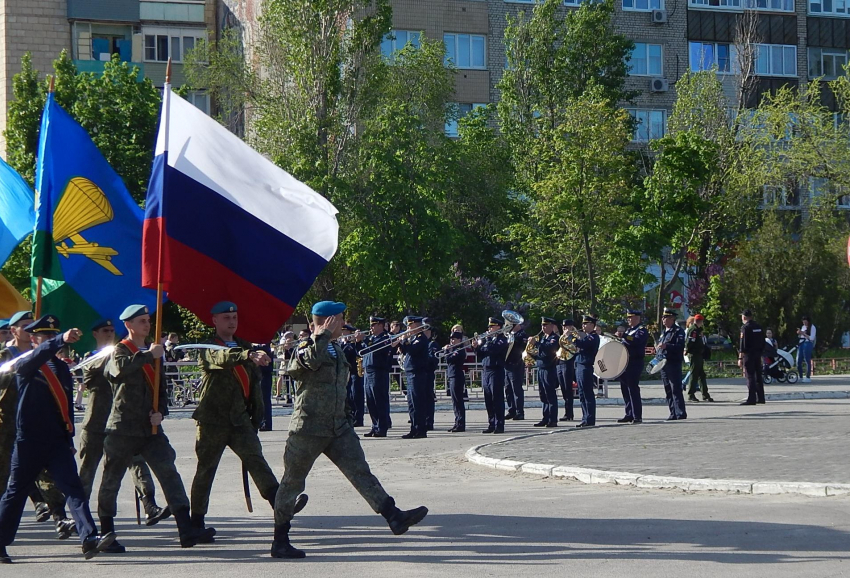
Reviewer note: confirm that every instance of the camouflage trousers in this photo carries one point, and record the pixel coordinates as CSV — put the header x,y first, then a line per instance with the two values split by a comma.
x,y
91,452
157,452
45,490
346,454
209,445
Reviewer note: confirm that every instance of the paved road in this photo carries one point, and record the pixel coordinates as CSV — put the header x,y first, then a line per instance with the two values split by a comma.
x,y
482,523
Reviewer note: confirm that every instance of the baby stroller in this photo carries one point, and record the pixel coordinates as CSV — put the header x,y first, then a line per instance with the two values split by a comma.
x,y
780,367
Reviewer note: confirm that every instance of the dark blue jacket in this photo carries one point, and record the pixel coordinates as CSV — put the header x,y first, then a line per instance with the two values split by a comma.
x,y
380,360
350,350
38,417
492,353
547,348
455,363
674,337
635,341
514,357
588,346
417,354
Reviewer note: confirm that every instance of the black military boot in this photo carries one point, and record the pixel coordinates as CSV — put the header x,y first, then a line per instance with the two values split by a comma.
x,y
190,534
153,513
65,527
42,512
107,526
4,557
281,548
401,520
97,544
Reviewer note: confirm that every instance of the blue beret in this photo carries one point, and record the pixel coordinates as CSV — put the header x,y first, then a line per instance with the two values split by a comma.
x,y
21,316
100,324
634,312
47,323
328,308
223,307
134,311
4,324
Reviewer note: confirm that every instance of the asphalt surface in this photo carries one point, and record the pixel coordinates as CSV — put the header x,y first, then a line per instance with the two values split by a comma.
x,y
482,522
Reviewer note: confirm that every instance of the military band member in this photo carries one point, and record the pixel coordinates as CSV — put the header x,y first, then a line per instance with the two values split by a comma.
x,y
129,431
547,373
515,374
376,378
750,350
434,363
672,347
588,346
351,346
456,380
229,412
321,425
44,440
635,340
94,432
417,369
567,375
492,353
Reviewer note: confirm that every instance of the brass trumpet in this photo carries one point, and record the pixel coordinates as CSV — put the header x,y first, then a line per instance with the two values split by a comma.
x,y
393,338
511,318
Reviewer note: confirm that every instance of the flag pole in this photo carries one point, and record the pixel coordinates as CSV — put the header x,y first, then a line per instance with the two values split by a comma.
x,y
159,292
39,280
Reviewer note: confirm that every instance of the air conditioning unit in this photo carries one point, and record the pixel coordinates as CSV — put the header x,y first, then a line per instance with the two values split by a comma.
x,y
659,16
658,85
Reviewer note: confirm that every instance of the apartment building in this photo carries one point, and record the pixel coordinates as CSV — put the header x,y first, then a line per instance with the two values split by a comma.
x,y
143,32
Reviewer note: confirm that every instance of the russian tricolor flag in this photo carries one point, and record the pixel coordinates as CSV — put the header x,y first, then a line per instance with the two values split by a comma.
x,y
222,223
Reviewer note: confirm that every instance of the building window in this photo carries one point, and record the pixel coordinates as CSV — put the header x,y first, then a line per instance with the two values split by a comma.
x,y
708,55
398,39
776,60
832,7
463,109
160,43
768,5
643,5
827,62
201,99
646,60
649,125
466,50
781,197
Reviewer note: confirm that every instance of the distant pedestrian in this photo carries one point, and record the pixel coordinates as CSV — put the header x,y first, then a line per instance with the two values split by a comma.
x,y
807,335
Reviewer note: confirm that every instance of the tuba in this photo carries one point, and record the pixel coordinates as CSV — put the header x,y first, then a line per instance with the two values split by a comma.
x,y
567,341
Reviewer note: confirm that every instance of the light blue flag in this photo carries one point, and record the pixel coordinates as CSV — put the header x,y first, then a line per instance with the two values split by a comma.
x,y
17,210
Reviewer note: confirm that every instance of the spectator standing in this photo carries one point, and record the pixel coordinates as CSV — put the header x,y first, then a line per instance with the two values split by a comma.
x,y
807,335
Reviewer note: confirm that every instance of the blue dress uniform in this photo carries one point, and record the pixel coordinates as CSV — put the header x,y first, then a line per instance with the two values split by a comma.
x,y
456,382
585,358
417,369
356,391
566,377
635,340
431,400
547,376
492,357
376,381
671,374
750,349
45,430
515,376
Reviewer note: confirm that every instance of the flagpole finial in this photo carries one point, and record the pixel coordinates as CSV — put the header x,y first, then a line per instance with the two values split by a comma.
x,y
168,72
52,86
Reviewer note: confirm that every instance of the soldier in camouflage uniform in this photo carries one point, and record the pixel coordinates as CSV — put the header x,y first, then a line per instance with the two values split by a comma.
x,y
230,411
321,424
129,429
94,426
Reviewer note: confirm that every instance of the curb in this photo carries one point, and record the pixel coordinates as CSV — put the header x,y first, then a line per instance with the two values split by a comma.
x,y
651,482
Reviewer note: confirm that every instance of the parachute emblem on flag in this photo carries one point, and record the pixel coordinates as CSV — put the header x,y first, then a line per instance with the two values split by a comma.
x,y
83,206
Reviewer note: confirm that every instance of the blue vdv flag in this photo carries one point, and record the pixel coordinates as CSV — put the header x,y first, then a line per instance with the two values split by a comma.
x,y
88,235
17,210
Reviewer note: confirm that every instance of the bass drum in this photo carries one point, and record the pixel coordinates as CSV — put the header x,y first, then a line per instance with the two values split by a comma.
x,y
611,359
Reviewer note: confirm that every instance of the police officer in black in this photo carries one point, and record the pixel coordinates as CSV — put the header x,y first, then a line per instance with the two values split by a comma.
x,y
356,394
376,378
456,379
491,354
547,373
515,374
417,369
44,440
585,357
672,347
749,357
567,375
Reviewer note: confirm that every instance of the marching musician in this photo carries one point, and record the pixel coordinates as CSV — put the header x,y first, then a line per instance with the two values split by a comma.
x,y
672,347
417,368
547,373
491,353
434,363
352,343
566,375
515,373
456,379
635,341
587,347
376,377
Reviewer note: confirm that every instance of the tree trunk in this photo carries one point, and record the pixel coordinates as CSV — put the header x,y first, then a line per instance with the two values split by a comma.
x,y
659,300
591,280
